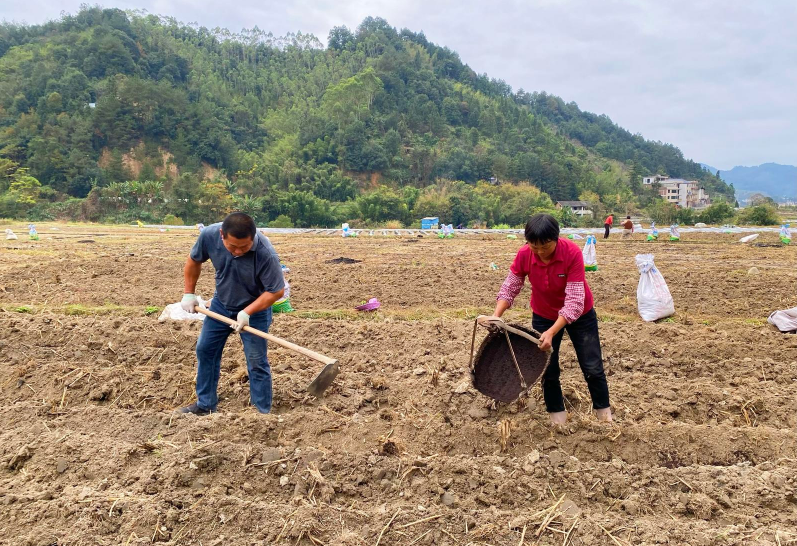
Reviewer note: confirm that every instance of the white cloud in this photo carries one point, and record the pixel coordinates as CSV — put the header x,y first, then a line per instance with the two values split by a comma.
x,y
716,78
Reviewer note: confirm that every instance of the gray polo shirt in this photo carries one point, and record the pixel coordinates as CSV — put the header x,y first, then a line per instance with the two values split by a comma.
x,y
239,281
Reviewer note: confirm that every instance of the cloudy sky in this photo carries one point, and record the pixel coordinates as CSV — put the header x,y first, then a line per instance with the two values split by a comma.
x,y
717,78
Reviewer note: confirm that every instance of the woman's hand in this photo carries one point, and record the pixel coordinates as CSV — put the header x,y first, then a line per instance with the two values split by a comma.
x,y
546,339
484,320
488,321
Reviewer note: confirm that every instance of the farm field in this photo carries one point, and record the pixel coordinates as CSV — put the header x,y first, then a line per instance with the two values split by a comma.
x,y
703,449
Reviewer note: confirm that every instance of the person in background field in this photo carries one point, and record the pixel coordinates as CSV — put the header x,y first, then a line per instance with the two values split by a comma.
x,y
628,227
248,281
560,300
607,224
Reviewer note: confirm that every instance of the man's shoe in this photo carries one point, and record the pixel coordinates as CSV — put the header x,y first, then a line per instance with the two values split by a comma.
x,y
194,408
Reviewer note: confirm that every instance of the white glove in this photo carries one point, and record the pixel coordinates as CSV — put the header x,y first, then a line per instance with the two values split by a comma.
x,y
243,320
189,302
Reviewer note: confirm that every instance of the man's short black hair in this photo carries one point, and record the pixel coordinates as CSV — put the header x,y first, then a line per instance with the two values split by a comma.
x,y
240,225
628,217
542,228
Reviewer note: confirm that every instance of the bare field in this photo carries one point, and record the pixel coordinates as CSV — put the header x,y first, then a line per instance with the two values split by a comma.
x,y
703,450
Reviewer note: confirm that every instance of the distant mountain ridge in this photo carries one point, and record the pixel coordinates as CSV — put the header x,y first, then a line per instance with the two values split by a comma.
x,y
772,179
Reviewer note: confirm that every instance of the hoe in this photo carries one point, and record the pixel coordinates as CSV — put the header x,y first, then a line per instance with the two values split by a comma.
x,y
324,378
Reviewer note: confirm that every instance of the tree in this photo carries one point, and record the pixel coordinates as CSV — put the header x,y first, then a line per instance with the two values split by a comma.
x,y
662,211
147,172
24,188
567,218
760,215
635,177
21,196
382,205
7,169
281,221
253,206
716,213
352,97
307,210
340,38
761,199
117,171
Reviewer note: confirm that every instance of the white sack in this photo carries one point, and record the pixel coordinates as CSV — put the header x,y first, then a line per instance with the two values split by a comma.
x,y
748,238
785,320
653,297
589,253
174,311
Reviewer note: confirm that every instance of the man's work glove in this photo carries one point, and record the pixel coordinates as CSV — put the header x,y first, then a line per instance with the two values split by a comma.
x,y
243,320
189,302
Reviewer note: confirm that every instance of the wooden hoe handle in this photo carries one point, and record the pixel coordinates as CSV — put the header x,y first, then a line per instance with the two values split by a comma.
x,y
274,339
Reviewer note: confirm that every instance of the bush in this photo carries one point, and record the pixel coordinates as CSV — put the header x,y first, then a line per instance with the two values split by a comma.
x,y
71,209
716,213
590,221
40,213
130,217
281,221
685,217
172,220
759,215
662,212
567,218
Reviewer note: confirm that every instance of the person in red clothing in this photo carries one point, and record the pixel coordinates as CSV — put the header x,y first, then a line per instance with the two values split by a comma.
x,y
561,301
607,224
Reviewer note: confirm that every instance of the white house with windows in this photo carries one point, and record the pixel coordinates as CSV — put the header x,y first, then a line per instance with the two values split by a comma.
x,y
687,194
648,180
581,208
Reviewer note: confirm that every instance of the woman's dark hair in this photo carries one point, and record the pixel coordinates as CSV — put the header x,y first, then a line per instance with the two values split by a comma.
x,y
240,225
627,217
542,228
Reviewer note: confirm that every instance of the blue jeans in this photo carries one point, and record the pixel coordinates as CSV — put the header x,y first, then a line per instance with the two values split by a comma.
x,y
208,351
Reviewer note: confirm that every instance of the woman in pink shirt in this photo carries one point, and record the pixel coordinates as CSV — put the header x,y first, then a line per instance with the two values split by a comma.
x,y
560,300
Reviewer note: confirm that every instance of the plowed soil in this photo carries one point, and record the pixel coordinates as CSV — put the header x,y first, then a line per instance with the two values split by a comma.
x,y
401,451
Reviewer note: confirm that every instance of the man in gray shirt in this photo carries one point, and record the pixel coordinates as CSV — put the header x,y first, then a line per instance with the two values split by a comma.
x,y
248,281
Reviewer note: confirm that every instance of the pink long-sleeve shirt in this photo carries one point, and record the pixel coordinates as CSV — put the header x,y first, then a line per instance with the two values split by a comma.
x,y
558,288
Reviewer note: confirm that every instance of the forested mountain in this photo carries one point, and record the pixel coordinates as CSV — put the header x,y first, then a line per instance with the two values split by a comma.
x,y
120,115
771,179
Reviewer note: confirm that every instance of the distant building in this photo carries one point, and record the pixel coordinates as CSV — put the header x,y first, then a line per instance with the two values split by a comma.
x,y
648,180
581,208
687,194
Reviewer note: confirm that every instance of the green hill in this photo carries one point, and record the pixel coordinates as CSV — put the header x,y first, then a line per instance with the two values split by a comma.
x,y
122,116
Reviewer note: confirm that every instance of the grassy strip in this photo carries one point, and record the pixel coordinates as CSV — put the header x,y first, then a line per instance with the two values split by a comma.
x,y
77,309
398,315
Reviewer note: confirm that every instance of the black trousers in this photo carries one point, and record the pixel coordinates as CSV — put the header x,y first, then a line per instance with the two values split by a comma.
x,y
608,228
584,335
